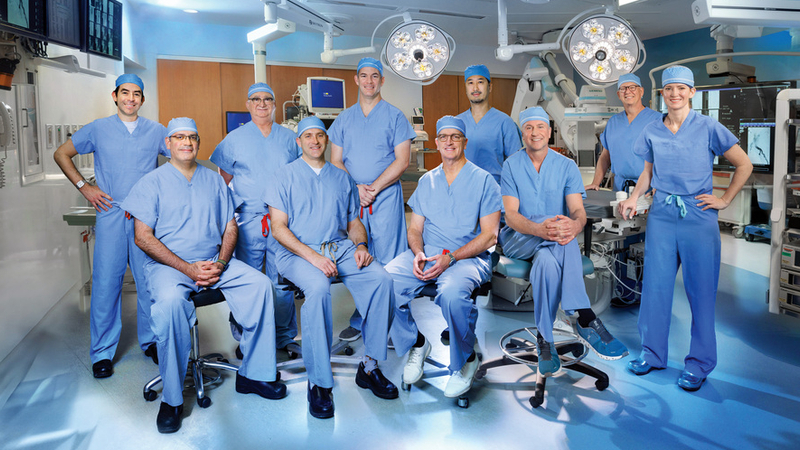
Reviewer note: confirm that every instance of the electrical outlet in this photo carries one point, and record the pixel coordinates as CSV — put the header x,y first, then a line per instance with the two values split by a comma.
x,y
51,135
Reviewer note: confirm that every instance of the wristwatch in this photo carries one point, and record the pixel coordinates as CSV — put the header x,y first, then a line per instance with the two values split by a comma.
x,y
452,258
80,184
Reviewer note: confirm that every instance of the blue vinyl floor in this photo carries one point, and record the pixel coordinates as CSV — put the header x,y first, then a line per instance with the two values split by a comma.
x,y
49,400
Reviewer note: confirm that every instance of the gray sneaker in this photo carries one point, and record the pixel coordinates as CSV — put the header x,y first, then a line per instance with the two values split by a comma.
x,y
350,334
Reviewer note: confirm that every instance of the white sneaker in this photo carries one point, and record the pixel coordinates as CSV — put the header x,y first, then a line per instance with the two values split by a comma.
x,y
412,372
461,381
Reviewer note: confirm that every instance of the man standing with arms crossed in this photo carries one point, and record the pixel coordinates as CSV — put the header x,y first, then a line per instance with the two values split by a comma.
x,y
247,159
493,136
372,141
125,148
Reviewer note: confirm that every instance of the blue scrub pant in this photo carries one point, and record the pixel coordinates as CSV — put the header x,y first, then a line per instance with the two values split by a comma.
x,y
386,230
694,243
556,276
453,290
371,288
114,249
258,252
250,297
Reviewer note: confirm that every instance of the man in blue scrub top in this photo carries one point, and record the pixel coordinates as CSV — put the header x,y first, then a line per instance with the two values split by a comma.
x,y
314,207
247,159
455,220
493,136
543,199
125,148
372,142
185,224
617,140
620,134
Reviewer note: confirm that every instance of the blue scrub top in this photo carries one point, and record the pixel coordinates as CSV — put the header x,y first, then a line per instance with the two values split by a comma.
x,y
189,218
683,162
368,142
121,158
491,141
319,206
541,194
453,212
252,159
618,138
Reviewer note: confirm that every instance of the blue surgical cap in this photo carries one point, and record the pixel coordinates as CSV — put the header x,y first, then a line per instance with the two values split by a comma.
x,y
677,74
309,123
181,124
260,87
478,69
629,78
370,62
129,78
450,122
536,113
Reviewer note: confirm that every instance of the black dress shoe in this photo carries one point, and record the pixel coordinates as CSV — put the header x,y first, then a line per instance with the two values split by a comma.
x,y
376,382
102,368
169,418
272,390
152,352
320,402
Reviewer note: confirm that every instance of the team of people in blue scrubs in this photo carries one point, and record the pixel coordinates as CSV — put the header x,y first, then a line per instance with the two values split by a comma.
x,y
279,207
125,148
682,227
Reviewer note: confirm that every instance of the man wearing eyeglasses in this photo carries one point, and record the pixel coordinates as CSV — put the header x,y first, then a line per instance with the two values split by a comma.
x,y
248,158
543,199
125,148
455,220
371,140
620,134
184,221
492,135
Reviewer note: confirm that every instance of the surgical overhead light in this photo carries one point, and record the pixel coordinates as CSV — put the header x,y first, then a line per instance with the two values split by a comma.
x,y
602,48
418,51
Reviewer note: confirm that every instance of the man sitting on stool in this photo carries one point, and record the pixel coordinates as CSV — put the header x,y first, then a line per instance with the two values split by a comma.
x,y
185,225
314,208
455,219
543,199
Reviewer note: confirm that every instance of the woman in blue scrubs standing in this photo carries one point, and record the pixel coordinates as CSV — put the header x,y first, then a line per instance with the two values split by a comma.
x,y
682,227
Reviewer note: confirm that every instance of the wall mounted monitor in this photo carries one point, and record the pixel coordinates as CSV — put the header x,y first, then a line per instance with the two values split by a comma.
x,y
64,22
235,119
103,28
326,95
757,138
24,18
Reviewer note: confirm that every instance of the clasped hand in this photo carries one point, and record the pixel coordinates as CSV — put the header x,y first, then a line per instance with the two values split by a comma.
x,y
560,229
433,272
205,273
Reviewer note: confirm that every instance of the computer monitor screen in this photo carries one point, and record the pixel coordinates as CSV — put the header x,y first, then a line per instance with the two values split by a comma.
x,y
63,22
757,138
326,95
24,18
235,119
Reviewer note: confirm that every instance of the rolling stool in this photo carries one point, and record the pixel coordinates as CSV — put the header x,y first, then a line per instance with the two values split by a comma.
x,y
429,290
296,349
519,346
199,366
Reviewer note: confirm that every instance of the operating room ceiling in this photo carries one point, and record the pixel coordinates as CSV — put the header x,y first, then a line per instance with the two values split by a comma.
x,y
470,22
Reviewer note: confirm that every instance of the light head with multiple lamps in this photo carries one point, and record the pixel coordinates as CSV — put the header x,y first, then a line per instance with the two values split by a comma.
x,y
602,48
418,51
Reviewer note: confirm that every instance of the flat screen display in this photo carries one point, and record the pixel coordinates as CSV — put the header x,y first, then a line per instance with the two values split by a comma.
x,y
63,22
326,93
24,17
103,25
235,119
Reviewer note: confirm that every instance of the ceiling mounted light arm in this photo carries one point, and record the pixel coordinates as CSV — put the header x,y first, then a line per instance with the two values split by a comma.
x,y
505,52
329,55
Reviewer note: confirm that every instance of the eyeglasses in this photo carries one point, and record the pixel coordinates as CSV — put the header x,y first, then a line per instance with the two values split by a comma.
x,y
265,101
631,88
182,137
451,137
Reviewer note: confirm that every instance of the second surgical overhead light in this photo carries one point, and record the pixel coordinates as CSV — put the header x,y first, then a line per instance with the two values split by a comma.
x,y
603,47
